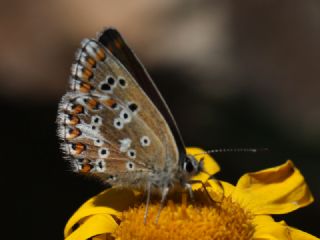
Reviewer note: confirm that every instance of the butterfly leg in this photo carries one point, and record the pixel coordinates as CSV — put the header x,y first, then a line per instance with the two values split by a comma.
x,y
147,203
164,194
206,190
218,182
189,188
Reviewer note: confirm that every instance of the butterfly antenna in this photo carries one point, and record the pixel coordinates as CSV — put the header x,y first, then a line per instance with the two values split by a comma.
x,y
163,199
147,203
224,150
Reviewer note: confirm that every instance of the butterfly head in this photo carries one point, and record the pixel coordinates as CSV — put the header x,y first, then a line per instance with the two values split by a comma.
x,y
191,167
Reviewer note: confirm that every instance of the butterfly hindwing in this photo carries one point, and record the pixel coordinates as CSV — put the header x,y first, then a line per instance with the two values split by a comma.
x,y
109,125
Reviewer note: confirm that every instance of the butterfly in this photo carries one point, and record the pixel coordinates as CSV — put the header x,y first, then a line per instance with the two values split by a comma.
x,y
115,125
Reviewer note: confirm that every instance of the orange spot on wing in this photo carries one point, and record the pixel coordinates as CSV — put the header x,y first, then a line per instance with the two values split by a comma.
x,y
110,102
90,62
73,120
74,133
117,44
85,87
87,74
86,168
79,148
101,54
77,109
92,103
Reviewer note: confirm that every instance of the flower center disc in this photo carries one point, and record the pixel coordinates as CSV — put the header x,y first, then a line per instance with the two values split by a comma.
x,y
225,220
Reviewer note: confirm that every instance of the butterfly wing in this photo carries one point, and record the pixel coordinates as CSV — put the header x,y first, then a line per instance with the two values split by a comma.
x,y
113,41
109,125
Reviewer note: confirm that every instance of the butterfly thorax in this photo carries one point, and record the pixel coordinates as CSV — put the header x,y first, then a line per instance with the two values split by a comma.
x,y
177,176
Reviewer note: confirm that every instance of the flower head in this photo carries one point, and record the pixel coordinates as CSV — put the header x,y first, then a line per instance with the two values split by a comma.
x,y
220,211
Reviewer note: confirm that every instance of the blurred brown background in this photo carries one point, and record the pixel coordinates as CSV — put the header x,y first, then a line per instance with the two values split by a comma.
x,y
235,74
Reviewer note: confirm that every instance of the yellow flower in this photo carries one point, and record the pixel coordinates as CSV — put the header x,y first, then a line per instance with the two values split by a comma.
x,y
222,211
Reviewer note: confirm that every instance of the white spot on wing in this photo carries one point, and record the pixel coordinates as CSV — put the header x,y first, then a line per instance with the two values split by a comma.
x,y
131,153
96,120
78,53
118,123
125,144
130,166
145,141
100,165
91,48
76,165
82,100
74,68
104,152
86,130
98,142
125,115
71,150
112,178
65,132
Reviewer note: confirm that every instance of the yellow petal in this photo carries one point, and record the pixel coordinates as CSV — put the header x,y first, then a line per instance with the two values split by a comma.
x,y
267,229
108,203
275,190
94,225
209,164
297,234
218,189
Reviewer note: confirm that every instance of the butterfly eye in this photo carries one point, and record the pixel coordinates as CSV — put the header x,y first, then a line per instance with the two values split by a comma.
x,y
145,141
130,166
188,167
104,152
132,154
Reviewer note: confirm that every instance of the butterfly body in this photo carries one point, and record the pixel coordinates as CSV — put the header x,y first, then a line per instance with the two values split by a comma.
x,y
114,123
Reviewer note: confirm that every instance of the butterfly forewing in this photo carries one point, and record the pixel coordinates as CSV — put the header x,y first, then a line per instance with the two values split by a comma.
x,y
113,41
109,126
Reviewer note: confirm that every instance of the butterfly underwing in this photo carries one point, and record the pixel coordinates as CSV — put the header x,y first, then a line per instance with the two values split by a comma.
x,y
115,125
